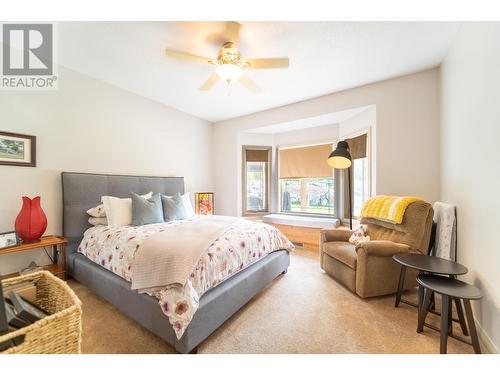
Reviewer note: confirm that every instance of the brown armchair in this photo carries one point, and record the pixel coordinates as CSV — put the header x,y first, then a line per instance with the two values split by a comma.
x,y
368,268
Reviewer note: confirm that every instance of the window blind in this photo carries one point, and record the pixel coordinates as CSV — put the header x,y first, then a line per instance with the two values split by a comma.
x,y
357,146
305,162
257,155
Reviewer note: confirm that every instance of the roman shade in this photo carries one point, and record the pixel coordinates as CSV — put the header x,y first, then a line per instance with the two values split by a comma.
x,y
357,147
305,162
257,155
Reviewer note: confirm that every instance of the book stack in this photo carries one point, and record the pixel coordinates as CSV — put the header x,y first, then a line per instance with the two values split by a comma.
x,y
17,310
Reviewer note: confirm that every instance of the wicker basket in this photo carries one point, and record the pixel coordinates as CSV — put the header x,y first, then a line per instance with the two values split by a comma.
x,y
59,333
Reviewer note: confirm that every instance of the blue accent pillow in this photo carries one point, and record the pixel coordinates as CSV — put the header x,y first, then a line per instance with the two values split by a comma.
x,y
146,211
173,208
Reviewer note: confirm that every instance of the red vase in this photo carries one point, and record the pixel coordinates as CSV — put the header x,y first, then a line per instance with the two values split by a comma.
x,y
31,221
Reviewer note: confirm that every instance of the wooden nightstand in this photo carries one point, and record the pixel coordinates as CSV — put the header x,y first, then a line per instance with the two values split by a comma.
x,y
58,245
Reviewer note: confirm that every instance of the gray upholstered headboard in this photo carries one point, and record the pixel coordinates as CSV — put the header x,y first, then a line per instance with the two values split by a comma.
x,y
82,191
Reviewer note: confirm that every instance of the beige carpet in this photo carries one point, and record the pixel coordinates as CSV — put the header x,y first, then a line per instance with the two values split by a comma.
x,y
304,311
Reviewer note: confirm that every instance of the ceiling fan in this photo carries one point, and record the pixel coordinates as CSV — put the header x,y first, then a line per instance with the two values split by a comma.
x,y
229,65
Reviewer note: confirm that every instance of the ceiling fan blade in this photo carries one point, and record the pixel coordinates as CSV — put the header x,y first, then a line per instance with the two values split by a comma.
x,y
209,83
249,84
187,56
281,62
233,31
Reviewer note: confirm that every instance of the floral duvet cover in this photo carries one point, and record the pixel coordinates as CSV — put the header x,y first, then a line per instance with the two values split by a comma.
x,y
242,244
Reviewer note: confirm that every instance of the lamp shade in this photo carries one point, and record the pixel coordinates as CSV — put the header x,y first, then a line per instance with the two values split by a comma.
x,y
31,221
229,72
340,158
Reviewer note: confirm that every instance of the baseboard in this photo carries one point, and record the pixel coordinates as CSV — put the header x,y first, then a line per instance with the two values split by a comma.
x,y
487,345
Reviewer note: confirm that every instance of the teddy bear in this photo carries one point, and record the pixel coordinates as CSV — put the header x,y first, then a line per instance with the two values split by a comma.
x,y
360,235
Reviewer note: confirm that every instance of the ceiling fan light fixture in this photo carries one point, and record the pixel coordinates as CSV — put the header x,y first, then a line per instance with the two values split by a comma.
x,y
229,72
229,65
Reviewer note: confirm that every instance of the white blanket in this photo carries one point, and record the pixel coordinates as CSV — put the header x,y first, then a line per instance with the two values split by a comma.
x,y
168,258
446,220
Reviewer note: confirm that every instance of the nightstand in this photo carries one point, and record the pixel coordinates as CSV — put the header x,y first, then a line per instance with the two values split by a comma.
x,y
58,245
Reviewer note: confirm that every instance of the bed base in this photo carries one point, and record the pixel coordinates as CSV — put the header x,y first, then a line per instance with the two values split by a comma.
x,y
216,306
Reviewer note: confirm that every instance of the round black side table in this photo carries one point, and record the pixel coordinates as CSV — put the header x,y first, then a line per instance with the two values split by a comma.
x,y
432,265
449,289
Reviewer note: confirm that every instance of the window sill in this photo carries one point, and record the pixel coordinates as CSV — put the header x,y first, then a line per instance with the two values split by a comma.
x,y
302,220
255,213
306,214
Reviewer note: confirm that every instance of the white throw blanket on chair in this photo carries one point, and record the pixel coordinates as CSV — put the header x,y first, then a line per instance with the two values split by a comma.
x,y
446,231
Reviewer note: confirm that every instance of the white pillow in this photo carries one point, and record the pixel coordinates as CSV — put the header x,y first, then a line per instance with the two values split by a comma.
x,y
97,211
188,206
98,221
119,210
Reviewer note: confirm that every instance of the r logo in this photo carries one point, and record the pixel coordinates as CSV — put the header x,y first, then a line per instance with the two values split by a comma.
x,y
28,49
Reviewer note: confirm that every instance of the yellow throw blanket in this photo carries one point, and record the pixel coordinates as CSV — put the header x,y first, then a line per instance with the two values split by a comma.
x,y
387,208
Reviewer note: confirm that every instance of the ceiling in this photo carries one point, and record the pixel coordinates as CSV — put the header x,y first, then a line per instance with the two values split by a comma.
x,y
309,122
324,57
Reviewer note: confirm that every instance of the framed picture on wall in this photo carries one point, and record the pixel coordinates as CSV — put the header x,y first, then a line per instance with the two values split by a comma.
x,y
204,203
17,149
8,239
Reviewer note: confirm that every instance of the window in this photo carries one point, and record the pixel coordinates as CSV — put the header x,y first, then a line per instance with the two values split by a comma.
x,y
359,175
306,181
360,185
307,195
256,169
256,185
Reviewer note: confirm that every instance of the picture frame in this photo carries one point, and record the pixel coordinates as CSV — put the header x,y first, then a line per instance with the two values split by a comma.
x,y
204,203
9,239
17,149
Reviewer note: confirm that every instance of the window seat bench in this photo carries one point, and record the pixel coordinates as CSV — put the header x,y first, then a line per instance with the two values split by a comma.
x,y
301,230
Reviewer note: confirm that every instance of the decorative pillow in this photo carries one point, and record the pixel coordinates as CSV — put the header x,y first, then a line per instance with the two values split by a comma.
x,y
173,208
146,211
98,221
97,211
119,210
188,207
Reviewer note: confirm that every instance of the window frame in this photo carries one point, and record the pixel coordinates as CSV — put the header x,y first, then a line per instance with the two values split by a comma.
x,y
245,210
367,131
336,184
365,175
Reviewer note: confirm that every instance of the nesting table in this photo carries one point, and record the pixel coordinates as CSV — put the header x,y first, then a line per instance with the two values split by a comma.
x,y
427,264
438,276
449,289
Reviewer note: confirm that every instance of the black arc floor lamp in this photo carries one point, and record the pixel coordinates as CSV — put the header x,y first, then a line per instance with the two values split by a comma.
x,y
340,158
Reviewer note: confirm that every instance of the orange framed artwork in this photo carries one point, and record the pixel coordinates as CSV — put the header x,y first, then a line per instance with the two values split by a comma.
x,y
204,203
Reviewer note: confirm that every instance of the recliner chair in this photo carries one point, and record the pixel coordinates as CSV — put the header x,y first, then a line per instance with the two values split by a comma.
x,y
368,268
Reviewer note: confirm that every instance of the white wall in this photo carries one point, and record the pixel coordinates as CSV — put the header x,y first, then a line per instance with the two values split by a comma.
x,y
470,156
91,126
317,134
407,132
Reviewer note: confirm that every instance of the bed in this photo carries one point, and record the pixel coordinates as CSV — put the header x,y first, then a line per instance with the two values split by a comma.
x,y
82,191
